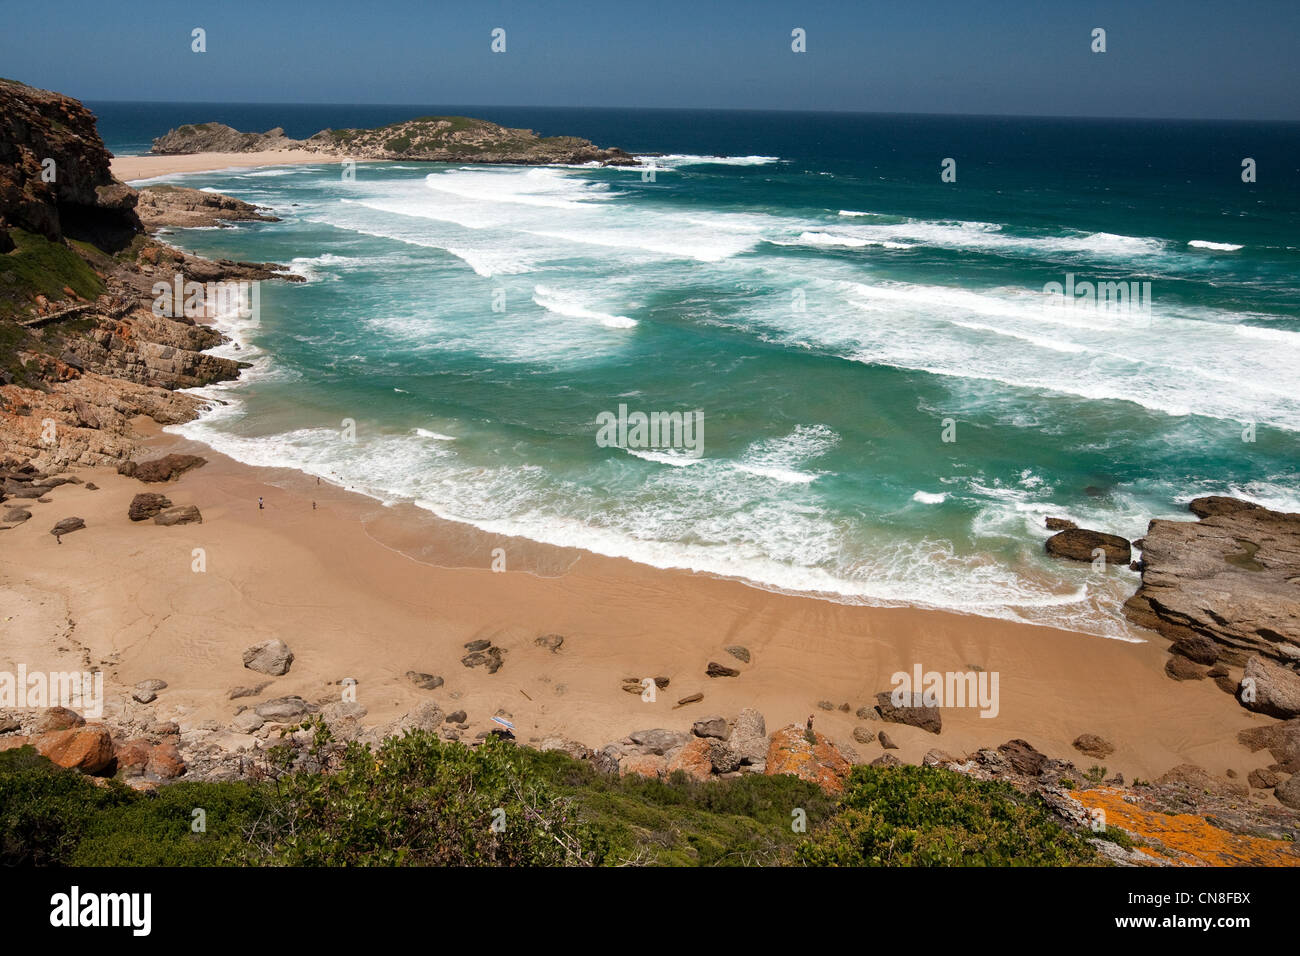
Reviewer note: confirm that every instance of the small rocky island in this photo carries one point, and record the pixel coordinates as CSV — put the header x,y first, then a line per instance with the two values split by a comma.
x,y
435,139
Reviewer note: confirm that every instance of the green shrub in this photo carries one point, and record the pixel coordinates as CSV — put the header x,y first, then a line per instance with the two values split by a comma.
x,y
924,816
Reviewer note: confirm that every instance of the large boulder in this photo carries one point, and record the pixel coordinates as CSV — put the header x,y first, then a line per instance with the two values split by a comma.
x,y
710,727
694,759
749,737
791,752
269,657
183,514
147,504
657,741
1078,544
1288,792
1229,577
161,469
1269,688
88,748
915,714
283,710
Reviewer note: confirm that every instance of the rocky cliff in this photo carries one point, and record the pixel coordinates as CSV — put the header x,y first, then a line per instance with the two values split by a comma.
x,y
82,350
442,139
54,172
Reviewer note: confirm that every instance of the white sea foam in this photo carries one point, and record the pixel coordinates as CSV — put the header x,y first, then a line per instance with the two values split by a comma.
x,y
930,498
567,304
674,160
1215,246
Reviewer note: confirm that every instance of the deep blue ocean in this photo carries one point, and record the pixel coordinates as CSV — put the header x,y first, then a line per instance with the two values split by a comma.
x,y
892,398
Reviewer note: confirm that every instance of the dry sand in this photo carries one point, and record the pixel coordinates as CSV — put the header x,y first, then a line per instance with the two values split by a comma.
x,y
341,586
134,168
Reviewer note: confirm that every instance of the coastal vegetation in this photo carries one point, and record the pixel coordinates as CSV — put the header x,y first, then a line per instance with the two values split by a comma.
x,y
418,800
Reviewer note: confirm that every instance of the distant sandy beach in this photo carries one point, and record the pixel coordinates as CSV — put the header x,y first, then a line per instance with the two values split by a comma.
x,y
133,168
338,583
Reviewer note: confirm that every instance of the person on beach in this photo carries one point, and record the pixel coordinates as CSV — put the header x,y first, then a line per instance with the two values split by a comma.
x,y
259,503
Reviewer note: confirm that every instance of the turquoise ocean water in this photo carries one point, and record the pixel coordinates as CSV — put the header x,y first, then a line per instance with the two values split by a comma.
x,y
811,286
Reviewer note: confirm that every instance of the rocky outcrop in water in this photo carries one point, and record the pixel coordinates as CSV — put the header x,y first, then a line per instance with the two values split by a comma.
x,y
440,139
1233,577
187,208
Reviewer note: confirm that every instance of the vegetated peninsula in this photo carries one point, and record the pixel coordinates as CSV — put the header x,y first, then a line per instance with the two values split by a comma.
x,y
435,139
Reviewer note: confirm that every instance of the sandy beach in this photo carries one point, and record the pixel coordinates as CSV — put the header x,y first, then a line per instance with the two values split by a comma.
x,y
371,592
135,168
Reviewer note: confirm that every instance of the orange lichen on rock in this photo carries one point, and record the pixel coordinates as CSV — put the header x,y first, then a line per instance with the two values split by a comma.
x,y
791,752
1186,839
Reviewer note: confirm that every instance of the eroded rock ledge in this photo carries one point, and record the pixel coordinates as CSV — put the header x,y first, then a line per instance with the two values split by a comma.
x,y
1233,576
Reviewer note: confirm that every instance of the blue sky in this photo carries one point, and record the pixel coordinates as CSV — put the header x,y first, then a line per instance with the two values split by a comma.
x,y
1165,58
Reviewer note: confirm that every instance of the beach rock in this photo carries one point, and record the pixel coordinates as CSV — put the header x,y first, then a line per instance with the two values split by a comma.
x,y
690,699
721,757
866,713
1078,544
161,469
914,715
428,716
1269,688
491,658
738,651
693,759
825,705
132,756
456,717
564,745
790,752
54,719
249,722
341,710
283,710
748,737
1193,780
657,741
1059,524
1229,577
643,765
480,645
1093,746
553,642
886,742
1024,759
91,486
67,526
718,670
269,657
87,748
938,758
1263,779
1180,668
710,727
886,760
147,504
146,691
1282,741
16,516
184,514
1288,792
424,681
165,762
1196,647
238,692
863,735
9,724
163,728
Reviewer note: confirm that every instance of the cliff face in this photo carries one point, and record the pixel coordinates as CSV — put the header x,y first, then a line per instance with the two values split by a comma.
x,y
83,200
444,139
80,344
